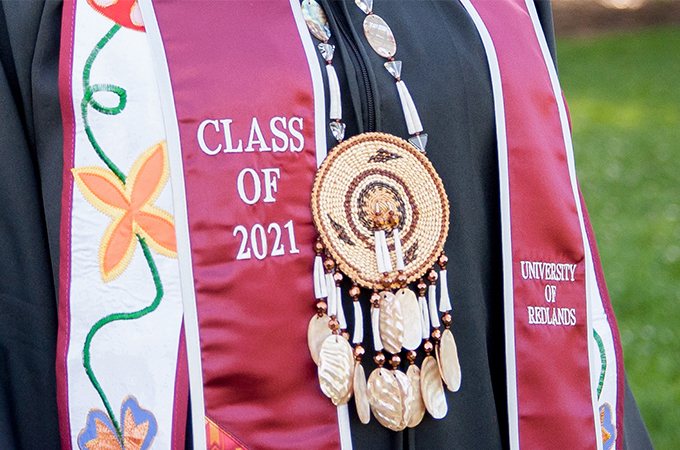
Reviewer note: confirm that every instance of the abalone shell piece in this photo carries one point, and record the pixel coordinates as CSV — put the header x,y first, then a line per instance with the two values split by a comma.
x,y
417,405
361,395
411,313
316,20
317,332
391,322
385,398
447,353
432,389
380,36
336,363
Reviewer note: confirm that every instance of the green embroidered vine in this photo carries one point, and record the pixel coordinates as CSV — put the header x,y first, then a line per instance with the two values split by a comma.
x,y
603,360
88,100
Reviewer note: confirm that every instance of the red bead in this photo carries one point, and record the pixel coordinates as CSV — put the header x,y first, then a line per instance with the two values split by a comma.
x,y
428,347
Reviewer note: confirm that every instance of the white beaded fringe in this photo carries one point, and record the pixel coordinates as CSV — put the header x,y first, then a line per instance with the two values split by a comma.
x,y
319,281
444,300
424,317
330,287
413,123
432,300
375,327
397,249
334,89
358,337
341,310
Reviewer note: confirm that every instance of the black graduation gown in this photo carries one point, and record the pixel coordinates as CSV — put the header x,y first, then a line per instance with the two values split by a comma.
x,y
447,74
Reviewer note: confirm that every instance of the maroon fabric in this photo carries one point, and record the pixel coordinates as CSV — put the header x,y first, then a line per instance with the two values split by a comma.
x,y
553,383
235,61
63,335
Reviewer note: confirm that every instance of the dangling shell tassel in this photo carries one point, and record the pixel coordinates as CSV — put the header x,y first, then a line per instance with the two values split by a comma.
x,y
341,309
413,123
379,257
424,312
375,322
398,253
387,261
444,300
432,298
382,253
330,288
358,337
424,317
337,278
320,290
335,112
397,250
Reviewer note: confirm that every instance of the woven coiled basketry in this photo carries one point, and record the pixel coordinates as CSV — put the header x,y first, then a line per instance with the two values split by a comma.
x,y
379,169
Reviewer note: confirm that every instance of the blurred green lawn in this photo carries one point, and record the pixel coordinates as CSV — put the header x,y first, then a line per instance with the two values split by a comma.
x,y
623,91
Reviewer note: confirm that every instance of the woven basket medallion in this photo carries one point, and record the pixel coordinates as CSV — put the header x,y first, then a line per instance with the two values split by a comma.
x,y
379,169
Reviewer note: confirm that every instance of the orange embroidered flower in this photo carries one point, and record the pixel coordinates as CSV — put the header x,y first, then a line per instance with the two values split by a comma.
x,y
125,13
130,205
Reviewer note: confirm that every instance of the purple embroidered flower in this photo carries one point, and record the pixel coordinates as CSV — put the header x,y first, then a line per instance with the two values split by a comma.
x,y
139,429
608,427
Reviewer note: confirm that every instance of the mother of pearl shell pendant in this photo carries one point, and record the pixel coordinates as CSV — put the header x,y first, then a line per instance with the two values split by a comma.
x,y
432,389
361,394
317,332
391,322
410,310
336,364
447,355
385,398
417,405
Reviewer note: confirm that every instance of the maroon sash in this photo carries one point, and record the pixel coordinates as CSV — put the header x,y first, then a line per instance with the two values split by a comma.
x,y
547,257
246,123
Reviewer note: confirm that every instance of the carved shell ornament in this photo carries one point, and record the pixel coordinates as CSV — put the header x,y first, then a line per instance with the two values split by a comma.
x,y
382,215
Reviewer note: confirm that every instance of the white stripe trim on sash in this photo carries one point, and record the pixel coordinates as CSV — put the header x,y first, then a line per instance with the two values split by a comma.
x,y
181,226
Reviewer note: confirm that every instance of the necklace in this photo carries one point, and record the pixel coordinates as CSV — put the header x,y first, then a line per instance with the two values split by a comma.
x,y
382,215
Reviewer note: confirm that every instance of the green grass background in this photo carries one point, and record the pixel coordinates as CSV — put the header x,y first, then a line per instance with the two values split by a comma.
x,y
623,92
